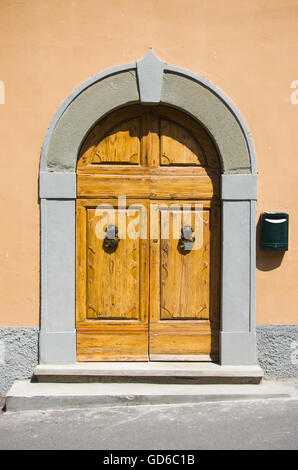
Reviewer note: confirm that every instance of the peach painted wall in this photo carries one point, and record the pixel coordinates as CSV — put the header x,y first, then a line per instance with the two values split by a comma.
x,y
249,49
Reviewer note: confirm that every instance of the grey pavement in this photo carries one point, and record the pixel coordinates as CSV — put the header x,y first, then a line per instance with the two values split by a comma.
x,y
258,424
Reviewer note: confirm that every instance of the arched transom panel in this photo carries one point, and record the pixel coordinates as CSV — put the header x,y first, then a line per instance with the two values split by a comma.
x,y
158,143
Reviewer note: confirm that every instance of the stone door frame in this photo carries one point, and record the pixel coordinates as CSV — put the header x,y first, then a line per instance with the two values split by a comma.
x,y
148,81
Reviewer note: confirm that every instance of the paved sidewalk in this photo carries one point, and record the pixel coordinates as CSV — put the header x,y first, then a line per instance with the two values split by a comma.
x,y
260,424
25,395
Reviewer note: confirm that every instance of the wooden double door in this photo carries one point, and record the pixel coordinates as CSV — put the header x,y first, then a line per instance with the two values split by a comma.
x,y
148,239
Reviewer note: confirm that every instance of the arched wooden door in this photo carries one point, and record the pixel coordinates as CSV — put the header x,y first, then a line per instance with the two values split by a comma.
x,y
148,239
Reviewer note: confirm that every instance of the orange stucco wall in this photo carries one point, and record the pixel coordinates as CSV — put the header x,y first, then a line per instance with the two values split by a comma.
x,y
48,47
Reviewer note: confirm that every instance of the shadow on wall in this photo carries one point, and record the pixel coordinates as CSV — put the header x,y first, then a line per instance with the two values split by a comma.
x,y
267,260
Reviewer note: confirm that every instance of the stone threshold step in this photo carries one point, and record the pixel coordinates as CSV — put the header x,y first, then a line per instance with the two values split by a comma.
x,y
27,395
157,372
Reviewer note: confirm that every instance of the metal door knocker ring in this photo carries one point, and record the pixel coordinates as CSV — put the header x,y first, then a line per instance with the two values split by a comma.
x,y
187,238
111,239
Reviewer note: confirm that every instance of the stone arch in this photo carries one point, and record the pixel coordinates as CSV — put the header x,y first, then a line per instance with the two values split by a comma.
x,y
148,81
124,85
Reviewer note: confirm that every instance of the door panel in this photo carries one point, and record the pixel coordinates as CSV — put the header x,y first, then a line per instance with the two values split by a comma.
x,y
112,282
121,145
115,141
112,276
183,342
148,186
184,274
178,146
183,286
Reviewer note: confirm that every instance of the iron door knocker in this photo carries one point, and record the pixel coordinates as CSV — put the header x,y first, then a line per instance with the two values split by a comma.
x,y
111,239
187,238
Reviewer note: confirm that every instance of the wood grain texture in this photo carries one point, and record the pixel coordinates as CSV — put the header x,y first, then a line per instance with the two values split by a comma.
x,y
112,276
198,133
184,287
149,133
121,145
115,140
178,146
112,291
185,275
106,186
134,303
183,187
184,340
148,187
112,342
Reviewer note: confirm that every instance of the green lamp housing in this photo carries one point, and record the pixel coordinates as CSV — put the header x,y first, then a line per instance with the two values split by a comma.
x,y
274,231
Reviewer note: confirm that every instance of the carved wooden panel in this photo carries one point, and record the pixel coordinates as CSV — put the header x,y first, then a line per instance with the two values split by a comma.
x,y
121,145
112,281
138,139
112,275
178,146
184,283
184,274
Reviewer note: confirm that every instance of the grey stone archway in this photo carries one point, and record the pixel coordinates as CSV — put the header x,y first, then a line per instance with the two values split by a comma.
x,y
148,81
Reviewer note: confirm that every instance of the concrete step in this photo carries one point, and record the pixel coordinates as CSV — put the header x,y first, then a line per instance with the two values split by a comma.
x,y
27,395
149,372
